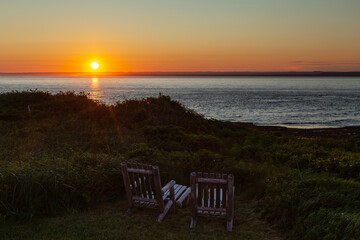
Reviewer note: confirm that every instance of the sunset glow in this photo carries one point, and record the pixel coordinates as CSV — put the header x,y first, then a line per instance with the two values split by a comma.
x,y
147,36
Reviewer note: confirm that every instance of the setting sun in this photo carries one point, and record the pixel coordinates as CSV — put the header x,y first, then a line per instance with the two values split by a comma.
x,y
94,65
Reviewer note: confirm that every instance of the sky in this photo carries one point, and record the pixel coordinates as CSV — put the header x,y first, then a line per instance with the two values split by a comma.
x,y
173,35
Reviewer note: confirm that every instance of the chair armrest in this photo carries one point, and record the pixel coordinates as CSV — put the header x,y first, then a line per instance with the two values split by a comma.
x,y
168,186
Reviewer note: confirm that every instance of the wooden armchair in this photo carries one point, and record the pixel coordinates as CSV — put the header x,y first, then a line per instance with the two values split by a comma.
x,y
212,195
143,189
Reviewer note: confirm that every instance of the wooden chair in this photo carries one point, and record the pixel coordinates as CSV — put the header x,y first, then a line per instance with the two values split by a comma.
x,y
143,189
212,195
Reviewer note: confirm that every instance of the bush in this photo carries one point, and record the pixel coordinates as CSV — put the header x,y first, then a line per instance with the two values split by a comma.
x,y
49,186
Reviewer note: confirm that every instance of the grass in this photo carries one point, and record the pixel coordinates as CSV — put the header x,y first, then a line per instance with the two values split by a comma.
x,y
64,156
108,222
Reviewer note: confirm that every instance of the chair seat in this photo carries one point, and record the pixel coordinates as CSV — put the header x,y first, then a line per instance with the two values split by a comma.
x,y
145,204
181,194
211,213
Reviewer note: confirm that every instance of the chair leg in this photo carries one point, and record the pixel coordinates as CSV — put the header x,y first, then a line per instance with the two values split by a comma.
x,y
187,201
129,212
193,222
229,225
166,209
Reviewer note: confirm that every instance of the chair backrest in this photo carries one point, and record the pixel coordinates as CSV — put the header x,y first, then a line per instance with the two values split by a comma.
x,y
143,185
212,194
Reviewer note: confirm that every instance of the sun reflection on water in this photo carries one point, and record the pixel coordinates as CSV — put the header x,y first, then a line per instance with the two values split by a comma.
x,y
95,92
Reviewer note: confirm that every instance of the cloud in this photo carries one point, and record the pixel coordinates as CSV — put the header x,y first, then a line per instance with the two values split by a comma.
x,y
326,65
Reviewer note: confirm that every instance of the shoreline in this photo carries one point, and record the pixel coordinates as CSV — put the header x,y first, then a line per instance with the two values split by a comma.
x,y
350,132
347,132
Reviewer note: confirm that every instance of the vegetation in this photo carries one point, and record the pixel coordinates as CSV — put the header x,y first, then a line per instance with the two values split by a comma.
x,y
107,221
62,153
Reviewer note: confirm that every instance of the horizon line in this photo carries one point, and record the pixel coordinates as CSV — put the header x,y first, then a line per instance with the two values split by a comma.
x,y
188,73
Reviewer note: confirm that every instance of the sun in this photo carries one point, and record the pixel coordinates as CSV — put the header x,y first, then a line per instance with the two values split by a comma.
x,y
94,65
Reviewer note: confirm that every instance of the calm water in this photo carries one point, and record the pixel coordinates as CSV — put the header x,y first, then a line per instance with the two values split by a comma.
x,y
295,102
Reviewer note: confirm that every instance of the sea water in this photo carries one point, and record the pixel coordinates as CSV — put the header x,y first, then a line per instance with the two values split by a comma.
x,y
307,102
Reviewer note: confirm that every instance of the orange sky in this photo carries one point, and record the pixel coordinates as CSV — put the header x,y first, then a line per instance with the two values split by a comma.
x,y
199,35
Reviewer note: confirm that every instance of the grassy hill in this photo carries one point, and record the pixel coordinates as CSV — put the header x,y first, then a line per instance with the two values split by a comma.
x,y
61,154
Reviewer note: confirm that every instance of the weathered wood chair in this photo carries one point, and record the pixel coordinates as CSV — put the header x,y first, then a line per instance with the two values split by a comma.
x,y
143,189
212,195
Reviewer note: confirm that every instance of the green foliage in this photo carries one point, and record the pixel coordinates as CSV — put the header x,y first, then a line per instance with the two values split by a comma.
x,y
49,186
313,206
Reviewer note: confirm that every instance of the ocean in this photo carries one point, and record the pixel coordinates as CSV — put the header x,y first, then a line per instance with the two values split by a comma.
x,y
305,102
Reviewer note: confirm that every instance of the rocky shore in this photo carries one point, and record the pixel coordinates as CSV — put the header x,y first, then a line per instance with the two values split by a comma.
x,y
335,133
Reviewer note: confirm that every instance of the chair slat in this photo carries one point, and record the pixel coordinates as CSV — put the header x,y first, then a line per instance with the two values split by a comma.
x,y
230,199
211,191
149,180
210,209
210,180
143,171
132,180
218,187
144,199
166,195
206,191
127,183
200,190
138,183
177,187
193,201
180,191
133,184
157,185
224,189
143,183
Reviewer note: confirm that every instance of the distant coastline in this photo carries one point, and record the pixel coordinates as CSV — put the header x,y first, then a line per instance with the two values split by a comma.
x,y
188,74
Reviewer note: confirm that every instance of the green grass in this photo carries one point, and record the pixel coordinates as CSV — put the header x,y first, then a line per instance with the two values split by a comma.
x,y
108,222
64,157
